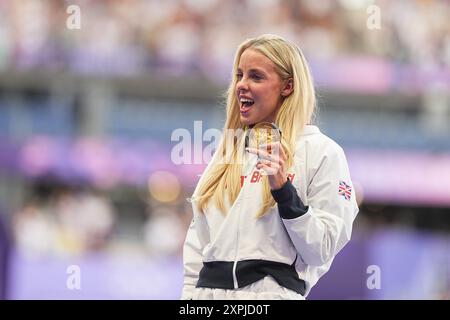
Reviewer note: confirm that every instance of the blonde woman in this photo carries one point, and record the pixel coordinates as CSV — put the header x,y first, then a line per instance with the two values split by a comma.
x,y
268,222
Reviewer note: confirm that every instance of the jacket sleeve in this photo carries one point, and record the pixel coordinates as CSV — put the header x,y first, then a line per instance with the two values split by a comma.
x,y
192,261
323,227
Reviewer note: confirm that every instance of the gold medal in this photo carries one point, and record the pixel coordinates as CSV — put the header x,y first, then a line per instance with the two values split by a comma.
x,y
262,134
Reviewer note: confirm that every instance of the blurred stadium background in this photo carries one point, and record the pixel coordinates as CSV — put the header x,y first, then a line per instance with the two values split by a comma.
x,y
87,116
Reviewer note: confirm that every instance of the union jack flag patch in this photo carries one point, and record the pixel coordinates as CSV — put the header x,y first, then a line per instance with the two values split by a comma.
x,y
345,190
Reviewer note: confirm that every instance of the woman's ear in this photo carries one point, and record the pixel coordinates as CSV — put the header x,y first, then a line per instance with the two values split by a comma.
x,y
288,87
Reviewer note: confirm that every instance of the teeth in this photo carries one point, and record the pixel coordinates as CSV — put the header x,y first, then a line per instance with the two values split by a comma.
x,y
243,100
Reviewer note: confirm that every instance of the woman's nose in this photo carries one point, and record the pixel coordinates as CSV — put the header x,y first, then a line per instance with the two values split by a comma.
x,y
242,85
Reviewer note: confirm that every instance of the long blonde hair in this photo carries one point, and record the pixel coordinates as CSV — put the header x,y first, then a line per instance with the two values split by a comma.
x,y
223,178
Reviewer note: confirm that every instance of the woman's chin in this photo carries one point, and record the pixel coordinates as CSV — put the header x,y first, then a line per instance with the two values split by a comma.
x,y
246,120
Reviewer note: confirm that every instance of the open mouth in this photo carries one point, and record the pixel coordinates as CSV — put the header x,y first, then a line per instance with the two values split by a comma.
x,y
246,104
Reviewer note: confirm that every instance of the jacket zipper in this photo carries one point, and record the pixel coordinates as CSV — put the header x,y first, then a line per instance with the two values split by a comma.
x,y
235,281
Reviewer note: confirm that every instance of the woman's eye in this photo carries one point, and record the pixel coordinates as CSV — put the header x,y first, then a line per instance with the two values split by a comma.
x,y
239,76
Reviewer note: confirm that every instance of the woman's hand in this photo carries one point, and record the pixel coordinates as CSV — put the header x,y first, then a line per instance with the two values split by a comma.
x,y
272,159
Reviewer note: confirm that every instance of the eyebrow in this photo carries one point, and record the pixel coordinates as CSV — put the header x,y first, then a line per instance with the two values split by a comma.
x,y
253,70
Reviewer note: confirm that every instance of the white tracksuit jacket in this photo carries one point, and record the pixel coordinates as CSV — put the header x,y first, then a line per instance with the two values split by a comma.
x,y
322,180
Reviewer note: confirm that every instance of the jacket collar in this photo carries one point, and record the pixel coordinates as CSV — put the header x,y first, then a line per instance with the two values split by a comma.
x,y
310,129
